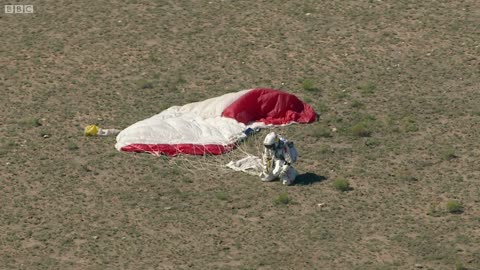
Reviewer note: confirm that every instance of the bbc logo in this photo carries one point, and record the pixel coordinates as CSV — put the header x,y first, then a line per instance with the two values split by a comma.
x,y
18,8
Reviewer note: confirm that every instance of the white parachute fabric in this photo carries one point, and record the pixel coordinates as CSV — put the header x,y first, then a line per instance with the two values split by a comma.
x,y
195,123
250,164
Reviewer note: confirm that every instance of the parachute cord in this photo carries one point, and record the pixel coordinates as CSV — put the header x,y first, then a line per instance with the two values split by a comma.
x,y
216,164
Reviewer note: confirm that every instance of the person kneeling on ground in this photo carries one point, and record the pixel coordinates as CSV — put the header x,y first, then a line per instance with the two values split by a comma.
x,y
278,156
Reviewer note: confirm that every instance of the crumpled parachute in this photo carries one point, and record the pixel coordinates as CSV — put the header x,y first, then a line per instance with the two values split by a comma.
x,y
213,126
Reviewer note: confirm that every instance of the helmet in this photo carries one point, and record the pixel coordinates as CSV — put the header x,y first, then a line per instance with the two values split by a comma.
x,y
270,140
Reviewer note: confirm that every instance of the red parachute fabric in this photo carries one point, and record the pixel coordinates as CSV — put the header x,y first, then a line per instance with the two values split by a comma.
x,y
270,107
176,149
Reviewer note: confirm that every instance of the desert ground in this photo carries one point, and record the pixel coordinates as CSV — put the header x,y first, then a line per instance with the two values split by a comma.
x,y
390,174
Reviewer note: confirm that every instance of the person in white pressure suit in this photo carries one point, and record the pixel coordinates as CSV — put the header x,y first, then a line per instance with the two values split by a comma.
x,y
278,156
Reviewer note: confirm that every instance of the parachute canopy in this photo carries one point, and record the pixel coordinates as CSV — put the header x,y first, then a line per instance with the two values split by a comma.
x,y
215,125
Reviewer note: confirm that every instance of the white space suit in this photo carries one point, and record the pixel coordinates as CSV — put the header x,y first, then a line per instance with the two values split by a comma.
x,y
277,159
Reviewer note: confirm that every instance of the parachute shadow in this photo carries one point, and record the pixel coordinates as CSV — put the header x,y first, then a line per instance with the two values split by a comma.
x,y
308,179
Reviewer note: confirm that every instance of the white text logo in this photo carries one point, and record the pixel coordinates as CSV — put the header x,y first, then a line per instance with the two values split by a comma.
x,y
18,8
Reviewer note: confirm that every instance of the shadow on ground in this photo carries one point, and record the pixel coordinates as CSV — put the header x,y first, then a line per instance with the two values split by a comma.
x,y
309,179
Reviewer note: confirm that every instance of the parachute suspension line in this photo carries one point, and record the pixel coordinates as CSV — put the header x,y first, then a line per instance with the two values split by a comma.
x,y
192,164
216,164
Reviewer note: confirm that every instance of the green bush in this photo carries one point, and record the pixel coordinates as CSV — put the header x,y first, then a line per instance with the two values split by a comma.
x,y
361,130
36,122
324,149
409,124
434,211
357,104
309,85
342,185
72,147
449,154
144,84
33,122
459,266
454,207
367,88
373,142
221,196
282,199
321,132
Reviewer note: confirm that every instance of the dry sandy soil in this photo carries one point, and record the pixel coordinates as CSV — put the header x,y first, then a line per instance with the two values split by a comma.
x,y
398,80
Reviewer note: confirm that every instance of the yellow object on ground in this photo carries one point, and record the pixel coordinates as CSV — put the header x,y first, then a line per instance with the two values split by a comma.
x,y
91,130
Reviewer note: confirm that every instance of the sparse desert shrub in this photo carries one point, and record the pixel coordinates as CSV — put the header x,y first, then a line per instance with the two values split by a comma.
x,y
435,211
324,149
72,146
308,100
282,199
449,154
341,95
406,175
321,107
454,207
392,124
36,122
309,85
361,130
372,142
321,132
367,88
357,104
342,185
409,124
153,58
187,180
32,122
459,266
144,84
221,196
6,145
